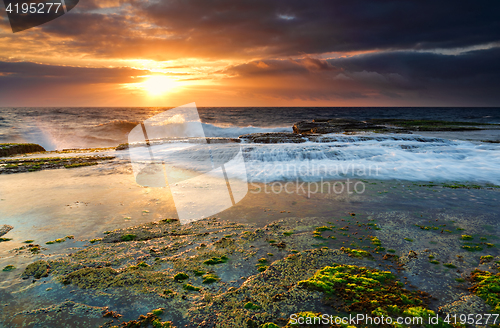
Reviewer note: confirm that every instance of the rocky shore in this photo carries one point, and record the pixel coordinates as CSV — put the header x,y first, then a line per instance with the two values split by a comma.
x,y
215,273
16,149
315,130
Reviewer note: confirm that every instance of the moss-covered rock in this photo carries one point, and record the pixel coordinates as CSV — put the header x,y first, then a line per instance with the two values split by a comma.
x,y
363,289
37,270
15,149
487,286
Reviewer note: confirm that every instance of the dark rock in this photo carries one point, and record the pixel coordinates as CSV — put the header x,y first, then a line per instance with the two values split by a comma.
x,y
279,245
5,228
279,137
334,126
15,149
335,120
307,127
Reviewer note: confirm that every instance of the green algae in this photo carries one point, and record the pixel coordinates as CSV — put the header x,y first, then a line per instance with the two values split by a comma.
x,y
269,325
60,240
190,287
9,268
37,164
69,166
251,306
158,311
262,264
181,276
486,259
5,239
199,272
363,289
216,260
150,319
210,278
37,270
192,260
128,237
487,286
472,248
356,252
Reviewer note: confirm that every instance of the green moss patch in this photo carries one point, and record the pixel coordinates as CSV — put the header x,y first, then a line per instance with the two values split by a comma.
x,y
486,259
157,312
199,272
151,319
210,278
355,252
60,240
216,260
487,286
37,270
37,164
472,248
191,287
128,237
270,325
363,289
181,276
9,268
251,306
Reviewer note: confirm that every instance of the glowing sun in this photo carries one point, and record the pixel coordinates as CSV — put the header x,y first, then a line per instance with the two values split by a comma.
x,y
157,85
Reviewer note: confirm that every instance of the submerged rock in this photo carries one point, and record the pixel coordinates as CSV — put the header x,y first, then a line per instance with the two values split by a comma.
x,y
5,228
278,137
334,126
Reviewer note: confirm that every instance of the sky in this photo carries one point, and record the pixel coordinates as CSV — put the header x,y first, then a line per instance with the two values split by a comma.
x,y
256,53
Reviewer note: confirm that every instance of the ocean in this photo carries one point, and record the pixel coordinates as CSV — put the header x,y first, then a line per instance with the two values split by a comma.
x,y
415,157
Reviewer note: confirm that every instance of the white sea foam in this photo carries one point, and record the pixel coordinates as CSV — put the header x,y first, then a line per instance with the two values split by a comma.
x,y
405,157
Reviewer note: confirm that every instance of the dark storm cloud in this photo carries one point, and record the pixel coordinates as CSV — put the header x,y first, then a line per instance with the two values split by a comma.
x,y
472,76
31,84
229,28
32,73
297,26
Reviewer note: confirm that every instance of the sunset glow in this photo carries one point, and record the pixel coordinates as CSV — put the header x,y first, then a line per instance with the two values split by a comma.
x,y
169,53
157,85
